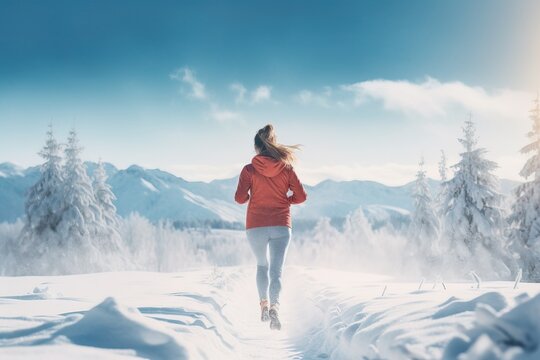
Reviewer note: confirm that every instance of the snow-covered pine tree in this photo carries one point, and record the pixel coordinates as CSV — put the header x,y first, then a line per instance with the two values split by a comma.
x,y
105,197
424,227
322,235
443,174
34,251
44,205
443,167
64,230
358,234
109,239
81,218
473,218
525,215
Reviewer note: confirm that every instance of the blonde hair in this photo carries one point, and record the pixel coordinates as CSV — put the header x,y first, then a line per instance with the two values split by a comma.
x,y
266,144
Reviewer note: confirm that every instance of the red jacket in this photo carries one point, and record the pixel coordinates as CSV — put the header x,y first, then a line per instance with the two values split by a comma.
x,y
265,183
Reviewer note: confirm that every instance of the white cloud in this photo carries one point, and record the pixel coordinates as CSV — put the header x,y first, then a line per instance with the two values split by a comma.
x,y
432,97
187,76
307,97
326,98
198,91
261,93
258,95
224,115
240,91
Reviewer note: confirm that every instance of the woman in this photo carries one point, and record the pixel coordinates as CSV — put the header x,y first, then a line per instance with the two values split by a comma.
x,y
266,183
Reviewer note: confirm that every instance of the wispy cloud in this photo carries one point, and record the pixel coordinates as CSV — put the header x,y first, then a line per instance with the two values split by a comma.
x,y
187,76
433,97
224,115
197,90
308,97
261,93
240,91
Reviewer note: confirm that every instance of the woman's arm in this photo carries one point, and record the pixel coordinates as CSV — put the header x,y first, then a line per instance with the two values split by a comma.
x,y
299,194
244,184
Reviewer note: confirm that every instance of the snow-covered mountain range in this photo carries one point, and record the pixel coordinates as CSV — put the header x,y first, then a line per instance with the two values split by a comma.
x,y
157,194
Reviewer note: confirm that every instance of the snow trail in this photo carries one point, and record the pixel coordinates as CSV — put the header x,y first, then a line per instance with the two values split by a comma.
x,y
258,341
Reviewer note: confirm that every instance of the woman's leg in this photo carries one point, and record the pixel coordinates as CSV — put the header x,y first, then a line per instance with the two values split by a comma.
x,y
258,240
278,244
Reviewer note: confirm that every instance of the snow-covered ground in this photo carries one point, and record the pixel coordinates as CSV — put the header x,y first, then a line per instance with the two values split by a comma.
x,y
213,314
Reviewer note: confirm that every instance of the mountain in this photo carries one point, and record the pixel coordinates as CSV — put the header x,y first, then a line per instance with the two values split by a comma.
x,y
14,182
157,195
8,169
338,198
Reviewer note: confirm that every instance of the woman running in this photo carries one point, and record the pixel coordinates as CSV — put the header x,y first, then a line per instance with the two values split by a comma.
x,y
265,183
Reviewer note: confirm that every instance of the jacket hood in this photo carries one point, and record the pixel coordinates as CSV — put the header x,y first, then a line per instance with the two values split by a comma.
x,y
267,166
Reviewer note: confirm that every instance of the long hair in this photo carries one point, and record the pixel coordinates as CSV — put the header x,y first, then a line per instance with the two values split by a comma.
x,y
266,144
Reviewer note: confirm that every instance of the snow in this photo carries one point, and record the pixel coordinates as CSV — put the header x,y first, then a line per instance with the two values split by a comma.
x,y
226,211
423,232
473,220
525,215
148,185
212,313
508,333
8,169
115,326
64,221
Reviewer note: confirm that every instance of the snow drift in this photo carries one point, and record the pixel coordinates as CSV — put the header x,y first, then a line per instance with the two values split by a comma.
x,y
116,326
511,333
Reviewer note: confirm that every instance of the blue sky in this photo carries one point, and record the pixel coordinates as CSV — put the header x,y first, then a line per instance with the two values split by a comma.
x,y
368,87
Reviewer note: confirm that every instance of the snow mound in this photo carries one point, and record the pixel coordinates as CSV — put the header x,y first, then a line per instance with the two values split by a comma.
x,y
42,291
453,307
509,334
115,326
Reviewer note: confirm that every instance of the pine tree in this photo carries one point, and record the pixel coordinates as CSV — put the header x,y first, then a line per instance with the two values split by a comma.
x,y
473,219
108,239
424,227
358,233
105,197
44,205
31,252
525,215
65,229
443,167
81,216
443,171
